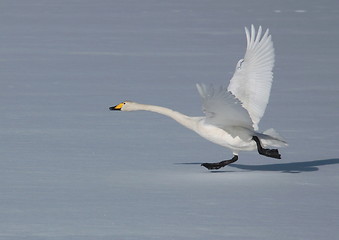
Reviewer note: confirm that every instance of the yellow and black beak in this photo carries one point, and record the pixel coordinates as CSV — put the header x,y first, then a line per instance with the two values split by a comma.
x,y
117,107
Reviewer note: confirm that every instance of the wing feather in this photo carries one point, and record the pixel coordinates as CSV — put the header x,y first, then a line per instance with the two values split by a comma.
x,y
252,80
222,109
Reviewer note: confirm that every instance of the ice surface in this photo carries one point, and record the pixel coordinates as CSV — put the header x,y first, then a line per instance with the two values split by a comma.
x,y
71,169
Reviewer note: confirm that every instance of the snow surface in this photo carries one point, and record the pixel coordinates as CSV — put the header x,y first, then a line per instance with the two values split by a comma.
x,y
71,169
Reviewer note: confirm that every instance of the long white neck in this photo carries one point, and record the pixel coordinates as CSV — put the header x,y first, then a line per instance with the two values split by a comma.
x,y
189,122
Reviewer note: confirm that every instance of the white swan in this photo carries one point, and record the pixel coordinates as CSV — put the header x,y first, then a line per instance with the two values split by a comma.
x,y
233,113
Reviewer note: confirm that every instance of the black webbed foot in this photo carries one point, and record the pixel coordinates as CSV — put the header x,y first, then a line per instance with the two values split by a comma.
x,y
215,166
273,153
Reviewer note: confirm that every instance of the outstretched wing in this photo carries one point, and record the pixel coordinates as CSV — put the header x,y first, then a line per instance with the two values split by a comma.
x,y
252,80
222,109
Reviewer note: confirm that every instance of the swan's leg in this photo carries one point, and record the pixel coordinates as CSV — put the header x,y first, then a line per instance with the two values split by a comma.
x,y
273,153
214,166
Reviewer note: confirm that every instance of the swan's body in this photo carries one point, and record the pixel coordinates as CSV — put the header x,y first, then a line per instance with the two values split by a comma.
x,y
233,114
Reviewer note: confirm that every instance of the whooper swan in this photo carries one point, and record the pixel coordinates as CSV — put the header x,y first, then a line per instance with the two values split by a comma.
x,y
233,113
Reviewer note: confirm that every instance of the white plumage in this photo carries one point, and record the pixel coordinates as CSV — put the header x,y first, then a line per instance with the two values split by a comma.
x,y
252,79
233,113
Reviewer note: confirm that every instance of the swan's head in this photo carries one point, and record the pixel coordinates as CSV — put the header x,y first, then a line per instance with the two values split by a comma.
x,y
125,106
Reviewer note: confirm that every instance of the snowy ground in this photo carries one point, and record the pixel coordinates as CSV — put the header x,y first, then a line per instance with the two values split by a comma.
x,y
71,169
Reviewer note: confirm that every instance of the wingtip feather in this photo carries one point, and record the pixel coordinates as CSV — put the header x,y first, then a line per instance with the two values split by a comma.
x,y
201,89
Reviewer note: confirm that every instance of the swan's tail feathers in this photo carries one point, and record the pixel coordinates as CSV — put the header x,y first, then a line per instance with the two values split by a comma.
x,y
271,138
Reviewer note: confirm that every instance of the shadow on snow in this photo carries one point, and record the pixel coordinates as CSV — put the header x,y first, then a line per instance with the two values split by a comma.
x,y
293,167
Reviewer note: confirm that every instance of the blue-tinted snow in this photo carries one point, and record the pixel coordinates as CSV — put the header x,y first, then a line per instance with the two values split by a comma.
x,y
71,169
